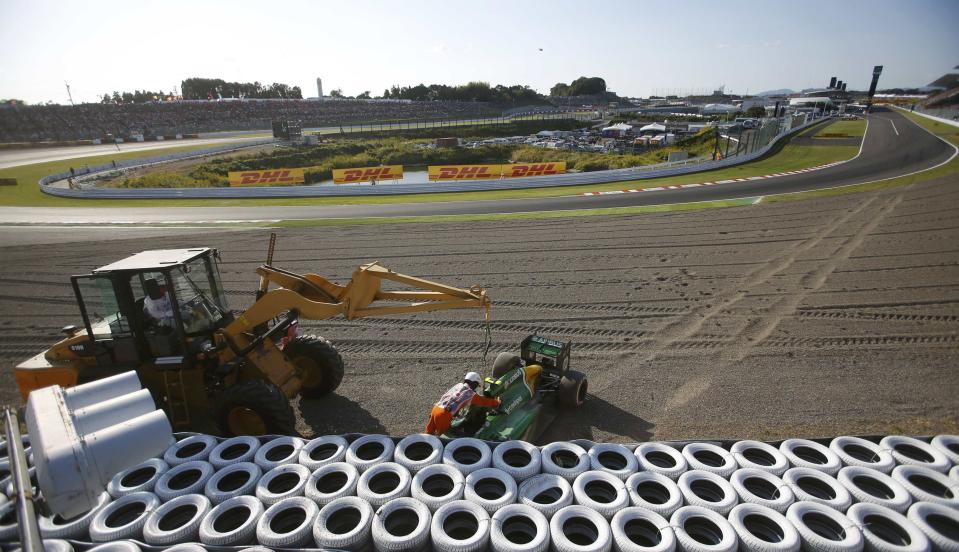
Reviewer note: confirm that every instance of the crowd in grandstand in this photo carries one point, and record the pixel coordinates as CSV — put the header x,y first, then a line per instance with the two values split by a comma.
x,y
20,123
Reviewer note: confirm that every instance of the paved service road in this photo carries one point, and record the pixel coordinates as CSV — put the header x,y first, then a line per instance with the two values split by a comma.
x,y
885,154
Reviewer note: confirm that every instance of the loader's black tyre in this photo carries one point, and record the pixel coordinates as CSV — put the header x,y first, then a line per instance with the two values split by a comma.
x,y
319,363
505,362
254,407
572,389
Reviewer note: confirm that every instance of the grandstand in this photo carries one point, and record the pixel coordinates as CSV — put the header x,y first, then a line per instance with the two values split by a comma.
x,y
19,123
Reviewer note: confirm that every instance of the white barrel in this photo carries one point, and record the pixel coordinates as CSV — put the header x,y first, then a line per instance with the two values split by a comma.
x,y
101,390
113,411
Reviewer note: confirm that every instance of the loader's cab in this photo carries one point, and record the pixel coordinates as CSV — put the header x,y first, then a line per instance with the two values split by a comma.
x,y
155,307
119,334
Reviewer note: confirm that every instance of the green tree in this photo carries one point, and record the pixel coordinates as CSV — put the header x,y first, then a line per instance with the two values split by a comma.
x,y
336,93
756,111
364,96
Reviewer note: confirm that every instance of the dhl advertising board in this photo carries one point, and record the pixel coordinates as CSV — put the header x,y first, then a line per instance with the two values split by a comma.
x,y
487,172
266,178
367,174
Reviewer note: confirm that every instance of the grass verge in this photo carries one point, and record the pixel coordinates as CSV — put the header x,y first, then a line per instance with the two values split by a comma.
x,y
842,129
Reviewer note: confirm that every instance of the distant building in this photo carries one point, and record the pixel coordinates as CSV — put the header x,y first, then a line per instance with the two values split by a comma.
x,y
319,88
812,101
718,109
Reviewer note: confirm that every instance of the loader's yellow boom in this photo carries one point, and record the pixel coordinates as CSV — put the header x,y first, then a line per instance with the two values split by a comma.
x,y
316,298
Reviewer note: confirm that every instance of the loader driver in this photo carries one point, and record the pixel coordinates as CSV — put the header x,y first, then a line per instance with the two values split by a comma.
x,y
157,303
454,400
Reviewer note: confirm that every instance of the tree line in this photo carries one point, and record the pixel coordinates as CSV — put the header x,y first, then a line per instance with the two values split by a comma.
x,y
476,91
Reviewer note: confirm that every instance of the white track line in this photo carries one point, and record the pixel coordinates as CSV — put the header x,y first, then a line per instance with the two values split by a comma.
x,y
896,130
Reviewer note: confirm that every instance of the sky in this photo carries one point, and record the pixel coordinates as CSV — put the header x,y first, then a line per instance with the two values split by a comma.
x,y
639,47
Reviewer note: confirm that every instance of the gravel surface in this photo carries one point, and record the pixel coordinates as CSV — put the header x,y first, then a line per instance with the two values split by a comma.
x,y
813,318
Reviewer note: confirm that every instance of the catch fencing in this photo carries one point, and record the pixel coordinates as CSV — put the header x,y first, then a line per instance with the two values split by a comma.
x,y
764,139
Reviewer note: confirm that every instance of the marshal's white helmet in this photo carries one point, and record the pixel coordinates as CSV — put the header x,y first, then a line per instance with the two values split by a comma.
x,y
474,377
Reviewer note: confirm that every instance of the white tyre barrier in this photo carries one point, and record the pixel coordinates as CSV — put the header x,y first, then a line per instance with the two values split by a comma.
x,y
331,482
547,493
762,529
760,456
9,530
520,459
370,450
415,452
436,485
660,458
913,452
322,451
948,445
177,521
856,451
613,458
711,458
708,490
701,530
232,522
654,492
866,485
233,451
564,459
601,491
192,449
579,529
282,482
288,523
755,486
344,524
954,473
279,451
885,530
637,529
939,523
139,478
77,528
824,529
815,486
401,525
185,547
5,454
460,526
519,528
490,488
52,545
803,453
118,546
123,518
232,481
384,482
467,455
188,478
926,485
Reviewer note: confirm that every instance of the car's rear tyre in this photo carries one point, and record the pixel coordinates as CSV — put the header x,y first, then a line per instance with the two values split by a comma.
x,y
504,363
572,389
254,407
319,363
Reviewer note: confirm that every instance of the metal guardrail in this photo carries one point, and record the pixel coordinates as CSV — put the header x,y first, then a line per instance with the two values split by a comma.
x,y
568,179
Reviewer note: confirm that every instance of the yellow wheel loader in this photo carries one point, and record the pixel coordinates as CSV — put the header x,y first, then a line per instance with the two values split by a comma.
x,y
164,314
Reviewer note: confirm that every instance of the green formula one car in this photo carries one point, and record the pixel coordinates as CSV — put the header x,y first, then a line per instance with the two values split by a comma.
x,y
530,387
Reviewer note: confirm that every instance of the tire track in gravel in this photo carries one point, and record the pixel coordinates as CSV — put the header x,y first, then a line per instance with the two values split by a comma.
x,y
760,328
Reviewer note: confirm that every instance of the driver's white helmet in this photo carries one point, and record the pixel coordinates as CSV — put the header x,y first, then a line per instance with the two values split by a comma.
x,y
474,377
